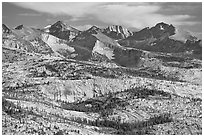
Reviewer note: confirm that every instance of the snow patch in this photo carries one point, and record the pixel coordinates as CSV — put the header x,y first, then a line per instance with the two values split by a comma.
x,y
161,27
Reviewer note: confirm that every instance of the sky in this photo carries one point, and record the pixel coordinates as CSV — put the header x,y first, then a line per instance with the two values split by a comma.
x,y
132,15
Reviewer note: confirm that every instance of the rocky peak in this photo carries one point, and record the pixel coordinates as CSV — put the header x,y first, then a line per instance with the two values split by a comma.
x,y
5,29
19,27
117,32
93,30
119,29
62,30
141,35
59,26
162,29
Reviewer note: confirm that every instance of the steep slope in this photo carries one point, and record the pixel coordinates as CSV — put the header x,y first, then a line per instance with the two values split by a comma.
x,y
26,33
162,29
46,28
128,57
5,29
117,32
84,43
26,39
163,38
59,46
94,41
62,31
36,41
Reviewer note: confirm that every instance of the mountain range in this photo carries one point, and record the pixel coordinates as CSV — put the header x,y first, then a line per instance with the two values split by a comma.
x,y
115,42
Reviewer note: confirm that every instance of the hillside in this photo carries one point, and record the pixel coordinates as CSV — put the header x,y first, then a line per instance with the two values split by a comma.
x,y
62,81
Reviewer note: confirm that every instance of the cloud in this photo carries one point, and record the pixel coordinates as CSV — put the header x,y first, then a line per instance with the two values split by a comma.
x,y
29,14
85,27
54,8
137,15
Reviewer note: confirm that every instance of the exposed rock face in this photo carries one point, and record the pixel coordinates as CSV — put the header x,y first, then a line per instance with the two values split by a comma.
x,y
59,46
36,41
103,50
141,35
62,31
5,29
93,30
117,32
161,29
100,43
19,27
163,38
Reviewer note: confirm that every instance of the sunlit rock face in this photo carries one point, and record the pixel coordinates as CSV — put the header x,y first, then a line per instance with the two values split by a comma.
x,y
117,32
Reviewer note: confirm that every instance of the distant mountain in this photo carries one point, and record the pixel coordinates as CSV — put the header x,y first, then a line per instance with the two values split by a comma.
x,y
159,31
93,30
110,48
117,32
114,43
141,35
5,29
162,29
162,38
19,27
94,42
62,31
36,41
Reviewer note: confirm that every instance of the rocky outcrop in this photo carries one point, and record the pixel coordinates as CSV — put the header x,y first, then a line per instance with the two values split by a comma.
x,y
59,46
5,29
62,31
19,27
117,32
161,29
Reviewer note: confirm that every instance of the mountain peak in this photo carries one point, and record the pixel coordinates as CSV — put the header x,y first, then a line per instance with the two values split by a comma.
x,y
5,29
93,28
60,22
163,25
117,32
61,30
162,28
60,25
19,27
